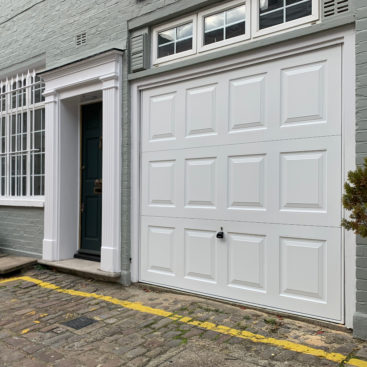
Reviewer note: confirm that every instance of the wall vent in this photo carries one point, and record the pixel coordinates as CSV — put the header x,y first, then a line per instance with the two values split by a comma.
x,y
81,39
139,59
335,7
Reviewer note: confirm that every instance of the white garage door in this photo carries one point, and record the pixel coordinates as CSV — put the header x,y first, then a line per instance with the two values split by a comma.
x,y
256,153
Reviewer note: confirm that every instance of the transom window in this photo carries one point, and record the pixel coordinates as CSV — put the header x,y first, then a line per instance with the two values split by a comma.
x,y
225,25
175,40
22,136
228,23
274,12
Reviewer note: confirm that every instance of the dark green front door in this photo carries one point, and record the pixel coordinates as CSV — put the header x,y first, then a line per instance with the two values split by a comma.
x,y
91,181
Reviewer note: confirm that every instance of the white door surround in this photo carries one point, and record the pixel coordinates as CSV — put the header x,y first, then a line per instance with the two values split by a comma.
x,y
64,88
149,153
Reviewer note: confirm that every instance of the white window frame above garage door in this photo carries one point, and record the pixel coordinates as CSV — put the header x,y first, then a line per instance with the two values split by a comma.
x,y
344,37
257,32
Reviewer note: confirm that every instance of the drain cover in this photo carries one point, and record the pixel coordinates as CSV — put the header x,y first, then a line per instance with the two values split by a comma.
x,y
79,323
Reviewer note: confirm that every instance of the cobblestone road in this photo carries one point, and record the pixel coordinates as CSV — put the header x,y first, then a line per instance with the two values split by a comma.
x,y
33,333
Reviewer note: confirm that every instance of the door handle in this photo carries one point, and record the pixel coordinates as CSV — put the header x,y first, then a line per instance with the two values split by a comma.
x,y
97,189
220,234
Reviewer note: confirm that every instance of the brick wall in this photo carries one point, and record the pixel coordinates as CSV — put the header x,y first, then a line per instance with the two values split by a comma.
x,y
21,230
360,319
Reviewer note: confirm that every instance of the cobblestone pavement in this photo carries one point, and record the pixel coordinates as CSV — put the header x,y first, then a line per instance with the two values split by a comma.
x,y
33,334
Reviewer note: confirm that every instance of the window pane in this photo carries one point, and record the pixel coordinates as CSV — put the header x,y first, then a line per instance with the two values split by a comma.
x,y
166,50
184,45
236,15
184,31
167,36
37,186
16,138
268,5
235,30
271,19
214,21
214,36
298,11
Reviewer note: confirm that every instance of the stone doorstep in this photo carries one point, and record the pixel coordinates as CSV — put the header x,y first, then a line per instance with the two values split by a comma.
x,y
83,268
10,264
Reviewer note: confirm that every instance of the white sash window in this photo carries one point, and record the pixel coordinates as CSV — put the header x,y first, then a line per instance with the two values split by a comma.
x,y
22,137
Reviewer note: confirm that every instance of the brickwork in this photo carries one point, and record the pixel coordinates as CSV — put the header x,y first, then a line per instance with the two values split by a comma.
x,y
360,319
21,230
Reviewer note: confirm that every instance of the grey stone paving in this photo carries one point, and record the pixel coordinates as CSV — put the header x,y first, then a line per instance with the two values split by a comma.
x,y
122,337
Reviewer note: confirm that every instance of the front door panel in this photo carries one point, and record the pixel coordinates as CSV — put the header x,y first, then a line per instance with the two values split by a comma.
x,y
91,193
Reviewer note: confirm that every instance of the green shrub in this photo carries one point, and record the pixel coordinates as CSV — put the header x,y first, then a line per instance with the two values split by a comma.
x,y
355,200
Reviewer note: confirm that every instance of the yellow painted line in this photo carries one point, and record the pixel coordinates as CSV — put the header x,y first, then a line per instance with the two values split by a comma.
x,y
256,338
25,331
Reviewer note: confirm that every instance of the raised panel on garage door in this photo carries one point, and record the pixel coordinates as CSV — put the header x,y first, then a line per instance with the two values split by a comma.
x,y
294,97
255,152
287,181
293,268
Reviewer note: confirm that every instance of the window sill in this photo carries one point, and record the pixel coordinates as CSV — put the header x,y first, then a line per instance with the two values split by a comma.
x,y
23,202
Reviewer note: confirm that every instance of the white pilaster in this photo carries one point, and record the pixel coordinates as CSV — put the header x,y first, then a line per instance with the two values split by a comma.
x,y
111,174
52,188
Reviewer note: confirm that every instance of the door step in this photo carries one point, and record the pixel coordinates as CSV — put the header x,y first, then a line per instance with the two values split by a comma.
x,y
84,268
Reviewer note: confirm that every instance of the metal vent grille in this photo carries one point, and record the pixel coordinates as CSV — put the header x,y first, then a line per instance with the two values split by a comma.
x,y
81,39
335,7
139,53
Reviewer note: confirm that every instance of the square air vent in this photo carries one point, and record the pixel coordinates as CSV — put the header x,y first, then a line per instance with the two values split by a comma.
x,y
335,7
81,39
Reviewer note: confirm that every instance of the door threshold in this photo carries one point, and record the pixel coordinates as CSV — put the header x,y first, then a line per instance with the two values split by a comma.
x,y
86,256
84,268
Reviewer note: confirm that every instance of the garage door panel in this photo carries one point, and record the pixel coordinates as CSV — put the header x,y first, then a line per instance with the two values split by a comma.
x,y
294,97
273,182
279,266
254,152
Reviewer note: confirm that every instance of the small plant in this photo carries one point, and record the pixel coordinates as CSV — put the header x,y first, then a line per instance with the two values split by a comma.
x,y
270,321
355,200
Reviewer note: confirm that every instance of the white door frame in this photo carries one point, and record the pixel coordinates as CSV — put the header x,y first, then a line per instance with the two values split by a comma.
x,y
64,87
345,37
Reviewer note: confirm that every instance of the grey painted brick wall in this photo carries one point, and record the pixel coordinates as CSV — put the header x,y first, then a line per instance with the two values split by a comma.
x,y
360,318
21,230
30,29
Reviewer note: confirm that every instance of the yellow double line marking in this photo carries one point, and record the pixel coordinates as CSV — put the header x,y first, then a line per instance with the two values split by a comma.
x,y
256,338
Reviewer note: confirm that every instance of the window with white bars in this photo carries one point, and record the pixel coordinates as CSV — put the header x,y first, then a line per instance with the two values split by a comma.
x,y
22,136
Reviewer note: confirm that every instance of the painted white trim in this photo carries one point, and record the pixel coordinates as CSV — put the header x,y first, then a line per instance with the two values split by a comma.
x,y
345,37
256,32
61,232
167,26
349,163
252,29
219,9
23,202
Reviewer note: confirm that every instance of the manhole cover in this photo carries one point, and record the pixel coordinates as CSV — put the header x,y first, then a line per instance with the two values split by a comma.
x,y
79,323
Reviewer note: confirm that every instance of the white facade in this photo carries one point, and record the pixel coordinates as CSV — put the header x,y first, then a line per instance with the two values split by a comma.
x,y
98,78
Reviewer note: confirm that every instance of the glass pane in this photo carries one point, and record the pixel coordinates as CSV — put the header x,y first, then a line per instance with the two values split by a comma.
x,y
37,164
37,140
214,36
184,45
184,31
214,21
235,30
268,5
37,186
290,2
236,15
38,117
271,19
166,50
298,11
166,36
